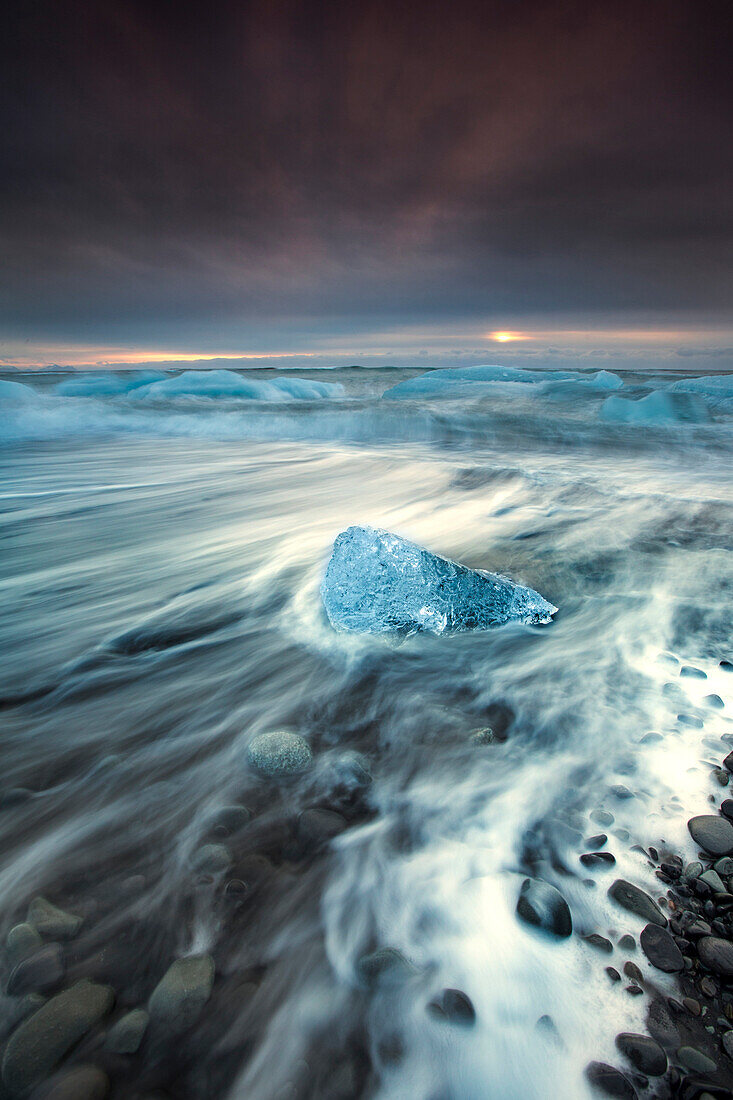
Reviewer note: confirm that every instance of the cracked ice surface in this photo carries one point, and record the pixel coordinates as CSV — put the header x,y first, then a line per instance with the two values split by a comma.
x,y
377,582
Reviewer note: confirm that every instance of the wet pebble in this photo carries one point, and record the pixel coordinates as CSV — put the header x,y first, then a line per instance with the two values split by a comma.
x,y
127,1034
79,1083
179,997
602,817
22,941
627,943
610,1081
316,827
52,922
693,673
385,967
37,972
712,833
454,1007
716,954
213,859
543,906
714,701
695,1060
636,901
660,949
42,1040
645,1054
599,942
279,754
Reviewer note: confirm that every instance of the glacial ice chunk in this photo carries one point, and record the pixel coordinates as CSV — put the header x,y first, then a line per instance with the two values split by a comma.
x,y
659,407
378,583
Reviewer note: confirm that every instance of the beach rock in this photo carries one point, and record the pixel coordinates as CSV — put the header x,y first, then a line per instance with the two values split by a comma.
x,y
79,1083
660,949
543,906
693,673
42,1040
627,943
37,972
230,819
602,817
179,997
610,1081
317,827
485,736
713,880
727,1042
279,754
377,582
712,833
599,942
724,866
52,922
127,1034
22,941
645,1054
454,1007
714,701
661,1025
385,967
213,859
694,1059
636,901
716,955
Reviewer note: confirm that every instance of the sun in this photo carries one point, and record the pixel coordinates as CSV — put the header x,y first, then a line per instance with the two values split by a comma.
x,y
504,337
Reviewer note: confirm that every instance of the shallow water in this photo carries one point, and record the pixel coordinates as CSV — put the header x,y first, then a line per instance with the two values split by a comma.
x,y
160,588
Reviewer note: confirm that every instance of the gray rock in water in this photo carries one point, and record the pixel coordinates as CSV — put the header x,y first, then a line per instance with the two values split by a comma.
x,y
377,583
37,972
660,949
714,834
279,754
610,1081
42,1040
543,906
179,997
713,880
79,1083
453,1007
127,1034
636,901
51,921
22,941
695,1060
317,827
644,1053
385,967
716,954
212,858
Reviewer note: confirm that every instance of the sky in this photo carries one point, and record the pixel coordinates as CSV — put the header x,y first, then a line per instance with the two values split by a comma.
x,y
319,183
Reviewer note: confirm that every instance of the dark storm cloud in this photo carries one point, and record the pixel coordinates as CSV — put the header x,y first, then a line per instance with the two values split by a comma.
x,y
341,165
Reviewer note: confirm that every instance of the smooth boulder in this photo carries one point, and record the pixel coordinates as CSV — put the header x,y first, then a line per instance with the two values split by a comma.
x,y
542,906
179,997
712,833
43,1039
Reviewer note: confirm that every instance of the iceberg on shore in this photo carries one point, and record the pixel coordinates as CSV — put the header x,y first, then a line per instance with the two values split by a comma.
x,y
378,583
660,407
473,381
227,383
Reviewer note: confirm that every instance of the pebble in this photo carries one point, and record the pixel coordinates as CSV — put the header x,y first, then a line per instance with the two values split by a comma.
x,y
602,817
610,1081
627,943
49,920
621,792
690,720
598,841
543,906
660,949
692,1006
385,967
636,901
212,859
317,827
727,666
727,807
716,955
22,941
43,1039
127,1034
179,997
631,970
597,859
727,1041
79,1083
645,1054
279,754
695,1060
714,834
600,942
693,673
230,819
692,871
613,973
714,701
728,762
485,736
454,1007
37,972
724,866
713,880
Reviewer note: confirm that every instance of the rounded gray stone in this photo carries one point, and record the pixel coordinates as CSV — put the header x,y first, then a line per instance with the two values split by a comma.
x,y
713,833
179,997
79,1083
385,967
635,900
127,1034
543,906
37,972
22,941
279,754
716,954
660,949
42,1040
52,922
213,858
644,1053
695,1060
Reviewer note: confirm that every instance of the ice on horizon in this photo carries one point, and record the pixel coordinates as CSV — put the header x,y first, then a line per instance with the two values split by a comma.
x,y
377,582
460,381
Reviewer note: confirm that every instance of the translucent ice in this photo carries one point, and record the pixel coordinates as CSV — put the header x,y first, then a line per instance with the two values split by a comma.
x,y
657,408
377,582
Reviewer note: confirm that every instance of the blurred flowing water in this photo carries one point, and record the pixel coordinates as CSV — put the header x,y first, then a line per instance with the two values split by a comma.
x,y
160,575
